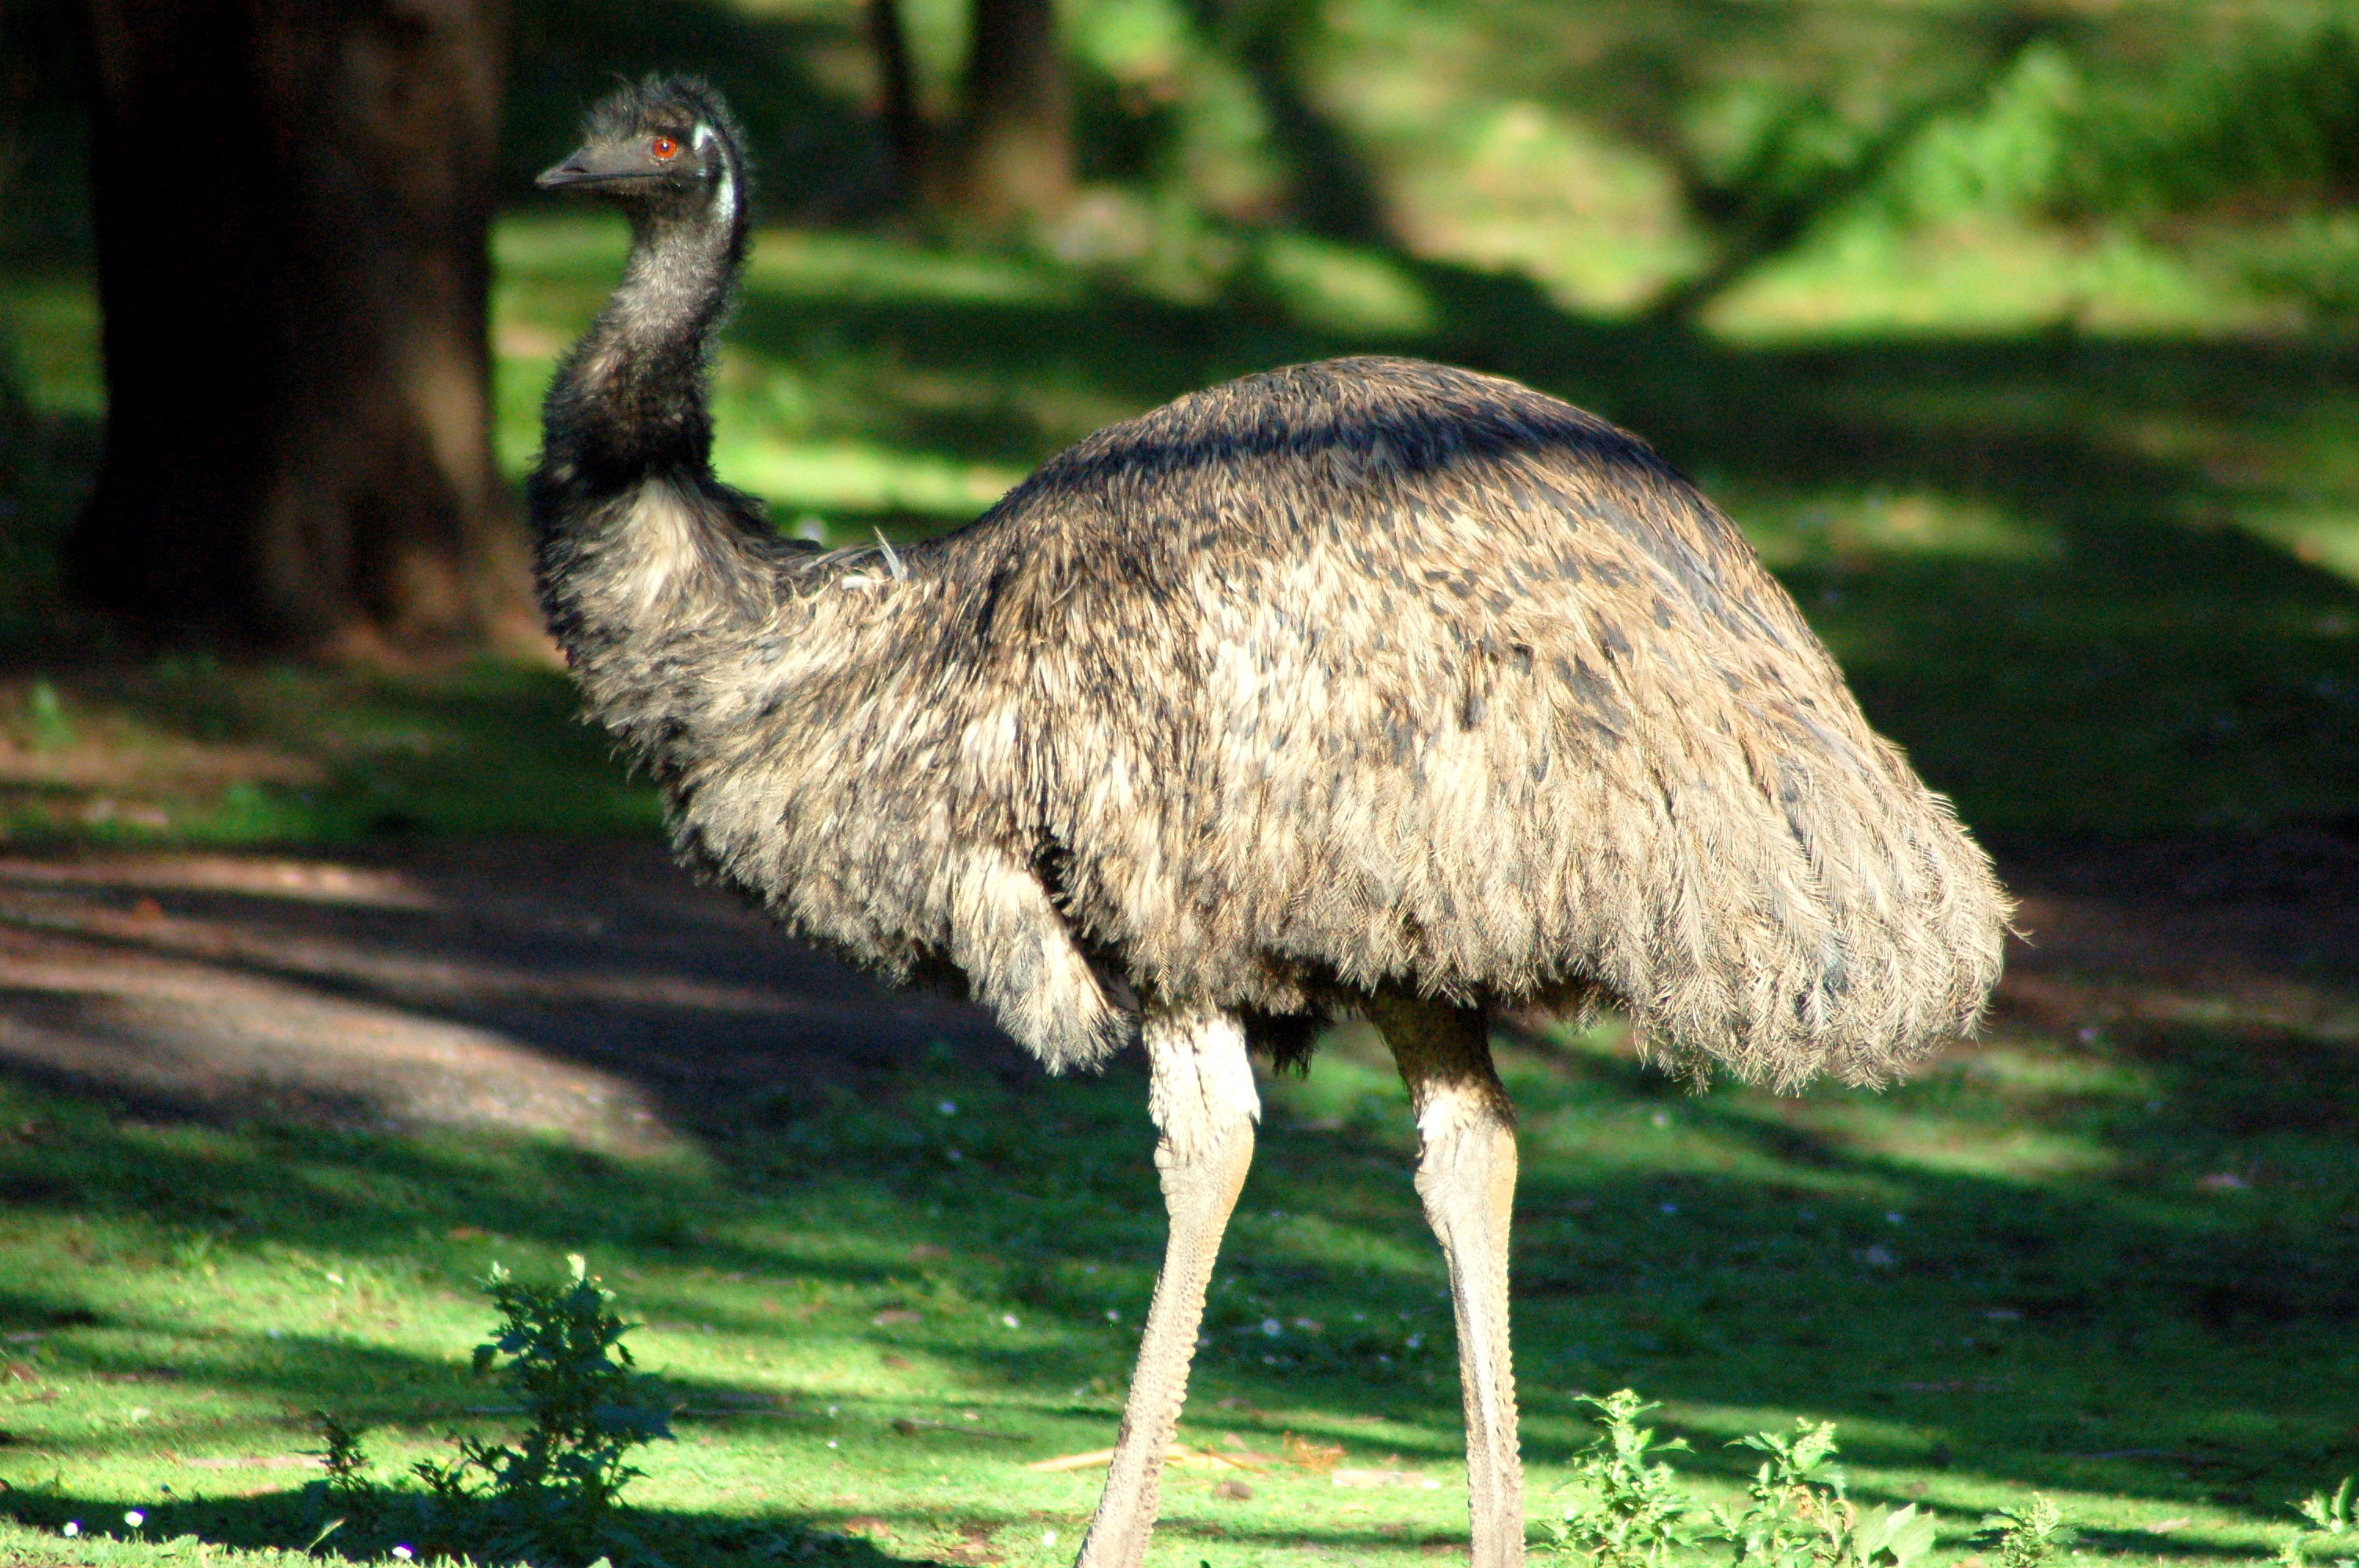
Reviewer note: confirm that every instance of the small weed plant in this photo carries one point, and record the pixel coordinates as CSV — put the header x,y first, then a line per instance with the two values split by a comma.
x,y
2032,1535
342,1456
347,1491
2328,1533
1796,1513
551,1497
1634,1514
554,1494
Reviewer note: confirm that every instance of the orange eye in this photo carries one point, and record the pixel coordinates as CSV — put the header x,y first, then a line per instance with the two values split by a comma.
x,y
664,148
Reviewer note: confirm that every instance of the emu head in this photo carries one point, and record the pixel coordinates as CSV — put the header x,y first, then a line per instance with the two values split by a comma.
x,y
665,148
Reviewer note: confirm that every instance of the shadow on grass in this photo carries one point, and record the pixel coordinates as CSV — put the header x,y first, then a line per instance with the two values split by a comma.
x,y
188,750
367,1527
297,1518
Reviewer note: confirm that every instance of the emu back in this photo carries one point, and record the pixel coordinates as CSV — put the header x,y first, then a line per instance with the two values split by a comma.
x,y
1355,675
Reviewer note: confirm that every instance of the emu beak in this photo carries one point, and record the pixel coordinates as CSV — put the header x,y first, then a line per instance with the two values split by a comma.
x,y
572,171
590,166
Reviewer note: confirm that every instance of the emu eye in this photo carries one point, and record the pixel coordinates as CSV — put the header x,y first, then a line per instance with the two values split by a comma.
x,y
664,148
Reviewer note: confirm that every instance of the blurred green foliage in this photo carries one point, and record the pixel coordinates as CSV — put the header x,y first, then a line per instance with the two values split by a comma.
x,y
794,76
44,140
1711,135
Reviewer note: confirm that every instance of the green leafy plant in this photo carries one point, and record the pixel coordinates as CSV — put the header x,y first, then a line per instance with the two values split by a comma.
x,y
347,1492
2031,1536
554,1494
1634,1514
341,1456
2328,1534
1783,1520
1888,1535
1796,1514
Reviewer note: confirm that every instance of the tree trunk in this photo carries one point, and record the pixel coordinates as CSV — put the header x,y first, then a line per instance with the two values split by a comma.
x,y
897,94
17,85
1015,137
292,199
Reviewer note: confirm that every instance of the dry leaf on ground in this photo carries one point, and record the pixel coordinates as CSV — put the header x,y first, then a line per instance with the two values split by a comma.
x,y
1177,1456
1368,1480
1315,1457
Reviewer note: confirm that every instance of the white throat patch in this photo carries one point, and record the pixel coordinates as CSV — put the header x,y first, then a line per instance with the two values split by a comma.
x,y
724,190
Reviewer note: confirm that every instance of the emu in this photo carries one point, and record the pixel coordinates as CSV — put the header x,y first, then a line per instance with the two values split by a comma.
x,y
1369,687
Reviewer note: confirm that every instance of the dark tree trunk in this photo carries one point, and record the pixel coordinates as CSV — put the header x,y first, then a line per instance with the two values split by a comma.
x,y
1330,192
17,85
1015,137
897,94
292,198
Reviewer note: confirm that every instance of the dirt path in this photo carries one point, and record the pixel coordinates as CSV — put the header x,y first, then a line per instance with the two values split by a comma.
x,y
588,990
592,990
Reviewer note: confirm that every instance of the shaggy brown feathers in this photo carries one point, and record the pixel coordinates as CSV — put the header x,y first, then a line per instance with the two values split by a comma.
x,y
1360,675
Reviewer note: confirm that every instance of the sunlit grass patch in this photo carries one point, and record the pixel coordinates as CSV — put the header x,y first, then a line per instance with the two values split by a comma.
x,y
1852,531
1961,1146
2018,1074
849,477
1337,289
860,269
2325,534
191,751
1864,273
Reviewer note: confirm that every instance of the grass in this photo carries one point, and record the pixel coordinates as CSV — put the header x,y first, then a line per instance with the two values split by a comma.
x,y
188,749
878,1300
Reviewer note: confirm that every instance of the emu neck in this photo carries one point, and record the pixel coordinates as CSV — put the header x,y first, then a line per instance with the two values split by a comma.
x,y
632,399
649,571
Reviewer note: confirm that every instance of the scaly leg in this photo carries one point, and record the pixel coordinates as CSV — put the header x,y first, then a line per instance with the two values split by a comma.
x,y
1204,1105
1466,1176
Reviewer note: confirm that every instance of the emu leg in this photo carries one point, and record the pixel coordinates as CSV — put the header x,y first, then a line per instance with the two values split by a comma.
x,y
1204,1105
1466,1177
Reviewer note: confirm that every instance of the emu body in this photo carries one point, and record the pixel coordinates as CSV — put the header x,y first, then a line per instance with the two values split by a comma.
x,y
1366,686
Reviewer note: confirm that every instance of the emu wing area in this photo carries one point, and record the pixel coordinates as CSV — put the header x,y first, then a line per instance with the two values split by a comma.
x,y
1374,672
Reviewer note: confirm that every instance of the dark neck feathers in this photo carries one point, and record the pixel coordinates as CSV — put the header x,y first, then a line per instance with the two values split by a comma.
x,y
632,399
649,569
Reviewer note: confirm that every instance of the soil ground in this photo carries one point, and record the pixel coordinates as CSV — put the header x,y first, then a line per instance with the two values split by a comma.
x,y
591,990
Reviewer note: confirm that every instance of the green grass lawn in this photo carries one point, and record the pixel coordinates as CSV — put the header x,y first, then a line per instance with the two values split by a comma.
x,y
2114,1269
188,750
